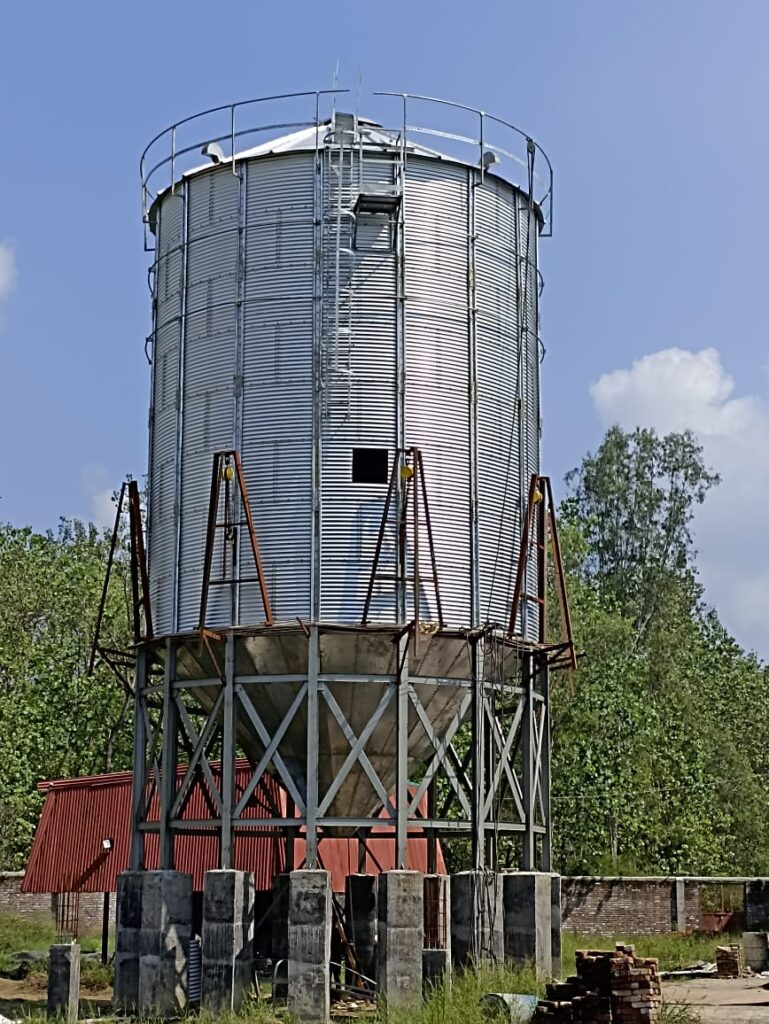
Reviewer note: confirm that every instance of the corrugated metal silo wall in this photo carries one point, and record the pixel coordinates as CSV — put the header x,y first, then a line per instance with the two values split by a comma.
x,y
277,372
437,369
237,349
358,346
506,232
168,286
466,247
239,310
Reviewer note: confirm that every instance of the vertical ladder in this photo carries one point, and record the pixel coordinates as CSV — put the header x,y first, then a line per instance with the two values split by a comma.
x,y
338,235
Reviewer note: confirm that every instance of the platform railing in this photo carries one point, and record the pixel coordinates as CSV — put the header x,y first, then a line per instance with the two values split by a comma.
x,y
486,141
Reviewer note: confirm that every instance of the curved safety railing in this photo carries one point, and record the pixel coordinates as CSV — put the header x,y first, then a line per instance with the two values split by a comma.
x,y
463,133
494,143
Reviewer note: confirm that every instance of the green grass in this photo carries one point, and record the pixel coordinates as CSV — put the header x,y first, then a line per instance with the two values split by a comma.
x,y
21,933
673,951
679,1014
459,1006
462,1004
37,934
94,976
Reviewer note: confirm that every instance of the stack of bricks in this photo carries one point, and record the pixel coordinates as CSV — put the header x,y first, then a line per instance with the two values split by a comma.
x,y
635,989
609,988
729,961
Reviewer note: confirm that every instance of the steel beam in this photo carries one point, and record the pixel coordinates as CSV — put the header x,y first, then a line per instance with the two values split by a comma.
x,y
402,750
478,759
139,780
528,750
311,811
169,760
226,852
547,839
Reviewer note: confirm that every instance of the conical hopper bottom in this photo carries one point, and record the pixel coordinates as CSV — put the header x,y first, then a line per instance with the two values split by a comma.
x,y
357,669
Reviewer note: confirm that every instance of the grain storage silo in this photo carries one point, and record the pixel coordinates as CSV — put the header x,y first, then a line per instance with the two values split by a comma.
x,y
352,308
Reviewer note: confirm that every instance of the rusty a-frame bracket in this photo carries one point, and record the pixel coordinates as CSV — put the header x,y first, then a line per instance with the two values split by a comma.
x,y
541,530
409,467
227,469
120,661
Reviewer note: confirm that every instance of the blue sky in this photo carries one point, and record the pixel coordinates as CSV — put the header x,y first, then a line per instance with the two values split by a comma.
x,y
654,309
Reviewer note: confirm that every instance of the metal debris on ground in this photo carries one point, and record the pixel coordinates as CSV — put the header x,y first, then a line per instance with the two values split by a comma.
x,y
699,969
508,1005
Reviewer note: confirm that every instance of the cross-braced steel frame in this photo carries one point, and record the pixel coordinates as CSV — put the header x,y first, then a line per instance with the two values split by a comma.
x,y
480,773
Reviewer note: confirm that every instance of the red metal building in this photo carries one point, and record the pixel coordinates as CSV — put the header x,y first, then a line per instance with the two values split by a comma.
x,y
83,839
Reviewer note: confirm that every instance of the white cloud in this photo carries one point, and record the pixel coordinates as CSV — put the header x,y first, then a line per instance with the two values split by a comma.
x,y
95,485
7,268
676,389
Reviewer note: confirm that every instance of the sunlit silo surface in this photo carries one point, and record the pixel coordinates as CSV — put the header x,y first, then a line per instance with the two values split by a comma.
x,y
328,297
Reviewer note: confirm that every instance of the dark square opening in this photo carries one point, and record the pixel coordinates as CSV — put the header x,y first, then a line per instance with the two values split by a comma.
x,y
369,465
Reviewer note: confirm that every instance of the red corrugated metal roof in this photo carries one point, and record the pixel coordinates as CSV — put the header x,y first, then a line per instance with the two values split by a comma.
x,y
67,853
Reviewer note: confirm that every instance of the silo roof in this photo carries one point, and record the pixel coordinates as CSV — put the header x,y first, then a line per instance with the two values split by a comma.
x,y
372,134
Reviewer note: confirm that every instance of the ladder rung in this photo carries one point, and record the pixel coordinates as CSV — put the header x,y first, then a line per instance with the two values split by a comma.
x,y
532,597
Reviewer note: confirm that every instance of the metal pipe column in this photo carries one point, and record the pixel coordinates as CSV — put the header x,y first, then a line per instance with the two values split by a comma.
x,y
313,669
226,851
169,761
529,752
138,783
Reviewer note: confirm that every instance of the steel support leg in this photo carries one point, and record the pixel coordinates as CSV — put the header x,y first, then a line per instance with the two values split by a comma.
x,y
139,781
478,755
529,752
313,669
402,754
169,761
547,839
228,756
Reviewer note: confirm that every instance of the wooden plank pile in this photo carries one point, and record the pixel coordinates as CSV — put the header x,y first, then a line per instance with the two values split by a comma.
x,y
610,987
729,961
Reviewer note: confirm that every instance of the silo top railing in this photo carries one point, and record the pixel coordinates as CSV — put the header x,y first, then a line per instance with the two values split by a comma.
x,y
493,136
485,140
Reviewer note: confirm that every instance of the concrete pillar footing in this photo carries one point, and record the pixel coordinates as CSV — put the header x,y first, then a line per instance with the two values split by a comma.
x,y
309,946
476,917
528,903
64,982
227,940
154,927
401,928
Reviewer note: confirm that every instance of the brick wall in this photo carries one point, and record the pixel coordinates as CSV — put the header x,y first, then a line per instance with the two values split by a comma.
x,y
625,906
43,905
14,901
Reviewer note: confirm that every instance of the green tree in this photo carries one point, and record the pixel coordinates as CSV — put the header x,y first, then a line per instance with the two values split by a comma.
x,y
55,719
634,500
652,770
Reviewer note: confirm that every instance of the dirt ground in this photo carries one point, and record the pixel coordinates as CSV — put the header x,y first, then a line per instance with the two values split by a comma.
x,y
721,1001
19,999
738,1001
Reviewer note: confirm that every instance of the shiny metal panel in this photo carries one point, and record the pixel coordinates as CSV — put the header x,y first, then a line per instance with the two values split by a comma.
x,y
209,366
437,372
277,381
166,350
277,269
